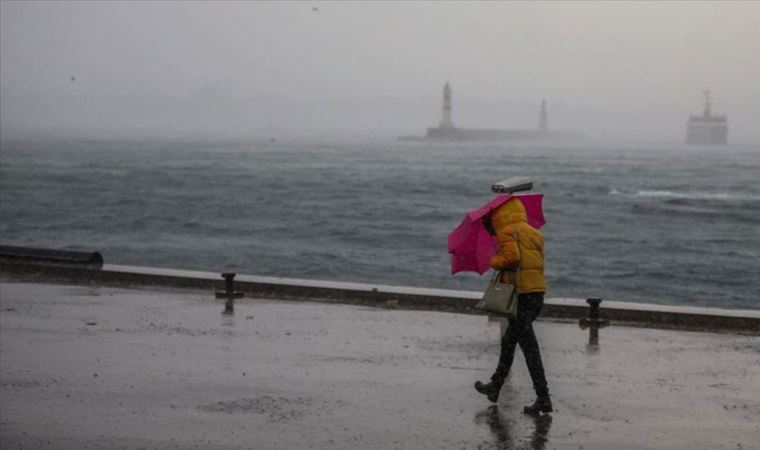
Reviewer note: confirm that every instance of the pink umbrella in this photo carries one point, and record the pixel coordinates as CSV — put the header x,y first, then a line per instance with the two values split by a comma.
x,y
470,244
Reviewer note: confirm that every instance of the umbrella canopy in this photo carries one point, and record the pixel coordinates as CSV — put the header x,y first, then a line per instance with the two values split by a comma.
x,y
470,244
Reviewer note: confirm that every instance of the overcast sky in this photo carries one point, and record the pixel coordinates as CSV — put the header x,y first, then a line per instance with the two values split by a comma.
x,y
608,69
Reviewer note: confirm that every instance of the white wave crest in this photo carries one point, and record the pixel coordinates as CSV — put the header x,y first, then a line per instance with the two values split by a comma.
x,y
696,195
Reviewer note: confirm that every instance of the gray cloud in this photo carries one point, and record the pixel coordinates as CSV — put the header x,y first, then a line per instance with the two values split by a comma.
x,y
618,69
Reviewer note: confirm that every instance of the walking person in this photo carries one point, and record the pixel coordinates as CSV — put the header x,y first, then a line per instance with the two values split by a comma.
x,y
520,255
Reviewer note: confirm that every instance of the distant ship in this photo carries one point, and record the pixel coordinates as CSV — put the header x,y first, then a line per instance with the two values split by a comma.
x,y
447,131
707,129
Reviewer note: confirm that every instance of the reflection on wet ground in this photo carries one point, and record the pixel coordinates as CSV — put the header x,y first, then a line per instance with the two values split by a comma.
x,y
118,368
501,430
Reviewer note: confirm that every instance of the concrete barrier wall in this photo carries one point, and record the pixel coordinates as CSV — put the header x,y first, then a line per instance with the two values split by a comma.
x,y
707,319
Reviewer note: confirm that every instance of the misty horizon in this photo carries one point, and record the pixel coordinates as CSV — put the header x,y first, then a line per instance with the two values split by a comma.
x,y
625,71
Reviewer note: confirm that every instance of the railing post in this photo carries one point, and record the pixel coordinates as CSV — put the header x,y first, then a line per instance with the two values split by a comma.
x,y
593,322
230,294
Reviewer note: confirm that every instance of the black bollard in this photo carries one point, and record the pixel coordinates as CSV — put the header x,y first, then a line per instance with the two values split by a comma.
x,y
593,322
230,294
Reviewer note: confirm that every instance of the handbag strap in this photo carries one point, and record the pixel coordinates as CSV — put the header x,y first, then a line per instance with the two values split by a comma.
x,y
519,250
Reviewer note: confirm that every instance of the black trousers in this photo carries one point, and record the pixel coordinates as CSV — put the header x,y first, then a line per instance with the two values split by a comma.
x,y
520,332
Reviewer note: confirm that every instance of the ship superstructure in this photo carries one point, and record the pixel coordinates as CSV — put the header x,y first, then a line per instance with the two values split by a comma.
x,y
707,129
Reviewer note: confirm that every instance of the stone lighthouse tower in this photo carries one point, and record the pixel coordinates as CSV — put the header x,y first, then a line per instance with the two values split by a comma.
x,y
543,120
446,111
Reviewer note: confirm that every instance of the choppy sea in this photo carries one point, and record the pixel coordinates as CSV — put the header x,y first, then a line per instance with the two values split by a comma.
x,y
641,223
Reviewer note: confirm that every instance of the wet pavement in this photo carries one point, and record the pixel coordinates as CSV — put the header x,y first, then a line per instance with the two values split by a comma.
x,y
89,367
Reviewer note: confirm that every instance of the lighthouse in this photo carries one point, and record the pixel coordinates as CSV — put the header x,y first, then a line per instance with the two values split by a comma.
x,y
543,120
446,131
446,122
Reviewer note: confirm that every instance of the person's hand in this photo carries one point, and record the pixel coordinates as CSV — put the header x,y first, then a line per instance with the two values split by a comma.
x,y
487,223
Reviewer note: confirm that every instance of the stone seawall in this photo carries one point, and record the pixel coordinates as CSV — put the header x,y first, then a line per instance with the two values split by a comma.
x,y
647,315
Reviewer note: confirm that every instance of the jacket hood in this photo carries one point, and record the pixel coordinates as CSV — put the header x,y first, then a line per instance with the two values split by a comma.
x,y
509,213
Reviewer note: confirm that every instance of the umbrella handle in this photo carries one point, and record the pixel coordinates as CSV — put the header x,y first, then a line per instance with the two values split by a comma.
x,y
488,225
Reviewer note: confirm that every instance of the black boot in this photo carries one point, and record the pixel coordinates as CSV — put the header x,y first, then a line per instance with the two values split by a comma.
x,y
541,405
490,390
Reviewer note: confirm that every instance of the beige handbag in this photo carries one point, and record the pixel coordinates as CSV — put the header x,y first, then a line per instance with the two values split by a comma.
x,y
501,298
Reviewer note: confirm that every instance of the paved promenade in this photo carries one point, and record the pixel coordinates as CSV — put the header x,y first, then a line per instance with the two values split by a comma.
x,y
88,367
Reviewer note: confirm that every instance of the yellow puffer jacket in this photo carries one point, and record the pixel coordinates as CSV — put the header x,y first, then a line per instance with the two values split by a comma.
x,y
511,225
